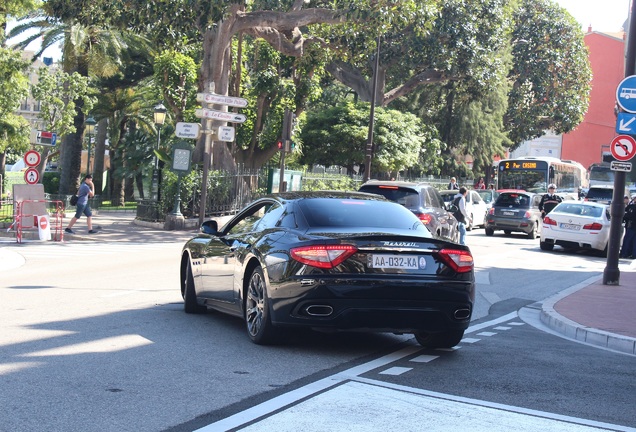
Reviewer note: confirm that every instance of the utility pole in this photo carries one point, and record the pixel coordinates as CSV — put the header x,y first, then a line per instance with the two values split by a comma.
x,y
286,146
612,274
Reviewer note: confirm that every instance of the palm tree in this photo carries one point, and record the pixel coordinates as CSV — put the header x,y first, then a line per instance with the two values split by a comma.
x,y
90,51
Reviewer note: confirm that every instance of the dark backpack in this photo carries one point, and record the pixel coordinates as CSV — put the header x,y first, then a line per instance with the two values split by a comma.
x,y
74,200
455,210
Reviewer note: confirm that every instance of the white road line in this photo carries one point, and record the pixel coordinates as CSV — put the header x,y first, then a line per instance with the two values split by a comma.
x,y
310,390
396,370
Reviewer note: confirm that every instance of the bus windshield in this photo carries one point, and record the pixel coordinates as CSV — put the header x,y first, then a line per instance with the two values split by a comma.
x,y
534,174
524,175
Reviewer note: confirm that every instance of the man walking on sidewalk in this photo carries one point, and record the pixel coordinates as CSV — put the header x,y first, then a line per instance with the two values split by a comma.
x,y
86,191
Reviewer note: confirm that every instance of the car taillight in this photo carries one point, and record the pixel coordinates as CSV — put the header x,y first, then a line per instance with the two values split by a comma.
x,y
593,226
549,221
425,218
323,256
528,215
491,211
459,260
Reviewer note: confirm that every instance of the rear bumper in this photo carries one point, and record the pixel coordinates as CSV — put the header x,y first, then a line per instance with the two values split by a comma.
x,y
523,225
332,307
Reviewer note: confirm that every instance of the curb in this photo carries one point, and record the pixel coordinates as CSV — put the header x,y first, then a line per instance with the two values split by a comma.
x,y
573,330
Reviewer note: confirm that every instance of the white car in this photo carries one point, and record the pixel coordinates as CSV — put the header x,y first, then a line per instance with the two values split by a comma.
x,y
475,206
577,225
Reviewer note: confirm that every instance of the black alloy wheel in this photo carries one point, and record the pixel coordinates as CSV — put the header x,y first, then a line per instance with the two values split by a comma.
x,y
257,319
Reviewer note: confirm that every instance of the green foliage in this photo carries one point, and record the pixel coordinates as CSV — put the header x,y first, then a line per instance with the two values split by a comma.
x,y
14,88
339,136
176,74
551,72
57,93
51,182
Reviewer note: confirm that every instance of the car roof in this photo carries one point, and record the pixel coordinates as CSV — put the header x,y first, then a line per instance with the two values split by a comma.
x,y
297,195
395,183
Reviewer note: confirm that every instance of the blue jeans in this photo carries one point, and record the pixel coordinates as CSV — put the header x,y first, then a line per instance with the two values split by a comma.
x,y
461,227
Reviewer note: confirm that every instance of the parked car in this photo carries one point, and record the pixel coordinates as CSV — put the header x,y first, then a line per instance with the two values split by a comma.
x,y
330,261
423,200
577,225
475,206
515,211
602,194
489,196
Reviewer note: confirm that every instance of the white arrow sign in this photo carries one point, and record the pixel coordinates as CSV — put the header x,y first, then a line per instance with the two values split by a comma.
x,y
624,123
220,115
221,100
188,130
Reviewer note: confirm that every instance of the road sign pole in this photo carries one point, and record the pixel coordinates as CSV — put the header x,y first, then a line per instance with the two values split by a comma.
x,y
206,165
611,273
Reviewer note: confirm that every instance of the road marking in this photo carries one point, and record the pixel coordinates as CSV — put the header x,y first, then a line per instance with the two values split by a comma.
x,y
487,334
396,370
502,328
364,400
424,358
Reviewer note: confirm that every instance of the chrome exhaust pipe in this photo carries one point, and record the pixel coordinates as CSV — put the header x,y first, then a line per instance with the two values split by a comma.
x,y
462,314
319,310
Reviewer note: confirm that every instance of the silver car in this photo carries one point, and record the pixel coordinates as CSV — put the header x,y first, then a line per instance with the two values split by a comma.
x,y
516,211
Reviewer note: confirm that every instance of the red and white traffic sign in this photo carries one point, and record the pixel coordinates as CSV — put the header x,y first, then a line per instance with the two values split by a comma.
x,y
31,176
623,147
32,158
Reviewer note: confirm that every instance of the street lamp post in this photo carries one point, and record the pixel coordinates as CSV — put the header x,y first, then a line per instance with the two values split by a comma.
x,y
160,118
90,128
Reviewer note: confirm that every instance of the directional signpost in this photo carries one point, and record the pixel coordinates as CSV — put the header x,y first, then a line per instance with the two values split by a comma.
x,y
188,130
213,98
220,115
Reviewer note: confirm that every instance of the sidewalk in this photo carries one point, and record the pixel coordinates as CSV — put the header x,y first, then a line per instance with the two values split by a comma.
x,y
601,315
590,312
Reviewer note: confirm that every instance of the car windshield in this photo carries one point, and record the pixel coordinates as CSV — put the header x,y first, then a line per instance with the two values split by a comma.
x,y
407,197
579,210
339,213
513,200
600,193
487,196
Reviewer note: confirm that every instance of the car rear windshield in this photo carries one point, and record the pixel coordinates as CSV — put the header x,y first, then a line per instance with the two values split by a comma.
x,y
604,194
337,213
579,210
513,199
407,197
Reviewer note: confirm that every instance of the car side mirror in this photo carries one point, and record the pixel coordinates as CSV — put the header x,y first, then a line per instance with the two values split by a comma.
x,y
210,227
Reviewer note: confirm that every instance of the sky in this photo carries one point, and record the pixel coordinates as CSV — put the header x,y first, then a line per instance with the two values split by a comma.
x,y
602,15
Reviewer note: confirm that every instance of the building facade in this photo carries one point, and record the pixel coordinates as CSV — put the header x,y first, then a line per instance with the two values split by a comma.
x,y
592,137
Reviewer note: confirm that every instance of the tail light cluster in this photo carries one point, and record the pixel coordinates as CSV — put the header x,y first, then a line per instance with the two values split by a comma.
x,y
323,256
593,226
549,221
459,260
426,218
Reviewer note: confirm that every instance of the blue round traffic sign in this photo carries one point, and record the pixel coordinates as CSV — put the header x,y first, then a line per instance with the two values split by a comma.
x,y
626,94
